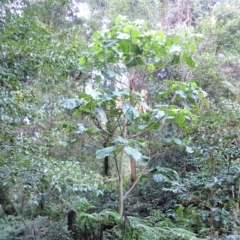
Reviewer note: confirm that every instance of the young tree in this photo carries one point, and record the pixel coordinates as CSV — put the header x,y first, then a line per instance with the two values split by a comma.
x,y
118,55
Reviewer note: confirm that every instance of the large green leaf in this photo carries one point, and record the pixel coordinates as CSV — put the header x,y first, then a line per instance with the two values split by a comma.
x,y
71,103
130,112
133,152
93,93
158,177
100,114
105,152
189,60
120,140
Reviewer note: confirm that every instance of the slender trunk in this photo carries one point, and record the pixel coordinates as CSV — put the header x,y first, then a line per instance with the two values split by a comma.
x,y
133,170
121,200
106,166
106,163
121,197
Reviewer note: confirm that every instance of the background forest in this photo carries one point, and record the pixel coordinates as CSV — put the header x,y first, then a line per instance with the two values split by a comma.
x,y
119,119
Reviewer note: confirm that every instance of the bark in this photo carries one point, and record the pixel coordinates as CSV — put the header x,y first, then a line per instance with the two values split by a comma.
x,y
5,201
121,197
72,217
133,170
106,163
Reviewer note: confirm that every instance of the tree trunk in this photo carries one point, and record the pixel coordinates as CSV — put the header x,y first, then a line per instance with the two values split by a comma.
x,y
106,166
106,163
121,197
6,203
133,170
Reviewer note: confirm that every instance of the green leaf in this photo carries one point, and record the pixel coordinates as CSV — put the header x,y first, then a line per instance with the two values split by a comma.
x,y
82,60
120,93
189,150
189,60
71,103
110,43
176,59
136,50
133,152
135,62
159,64
120,140
159,114
156,126
93,93
105,152
123,36
145,106
135,34
81,128
150,68
158,177
100,114
111,74
130,112
181,93
125,46
177,141
175,49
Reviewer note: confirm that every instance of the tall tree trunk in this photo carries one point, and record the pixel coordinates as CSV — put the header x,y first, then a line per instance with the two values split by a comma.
x,y
121,197
132,87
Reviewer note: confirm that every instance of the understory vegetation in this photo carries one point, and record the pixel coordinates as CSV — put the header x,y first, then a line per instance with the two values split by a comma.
x,y
119,119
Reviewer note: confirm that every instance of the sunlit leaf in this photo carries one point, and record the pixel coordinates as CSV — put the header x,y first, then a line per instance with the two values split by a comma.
x,y
71,103
177,141
81,128
120,140
133,152
158,177
93,93
189,60
189,150
105,152
100,114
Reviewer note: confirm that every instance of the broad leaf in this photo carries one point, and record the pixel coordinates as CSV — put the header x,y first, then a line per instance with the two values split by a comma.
x,y
189,60
120,140
110,43
189,150
130,112
81,129
177,141
100,114
176,59
158,177
133,152
71,103
93,93
135,62
159,114
104,152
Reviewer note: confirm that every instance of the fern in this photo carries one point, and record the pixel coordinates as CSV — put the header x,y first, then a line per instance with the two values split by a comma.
x,y
146,230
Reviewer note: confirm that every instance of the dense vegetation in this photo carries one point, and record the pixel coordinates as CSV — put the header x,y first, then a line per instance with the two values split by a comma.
x,y
119,119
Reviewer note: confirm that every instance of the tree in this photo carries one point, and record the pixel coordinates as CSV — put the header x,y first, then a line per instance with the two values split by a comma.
x,y
130,47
